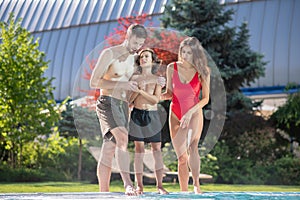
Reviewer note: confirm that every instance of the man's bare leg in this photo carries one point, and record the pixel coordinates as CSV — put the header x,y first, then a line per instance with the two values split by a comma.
x,y
104,165
123,159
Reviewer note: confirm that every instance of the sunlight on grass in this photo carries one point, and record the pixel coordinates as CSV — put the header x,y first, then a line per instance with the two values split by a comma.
x,y
117,186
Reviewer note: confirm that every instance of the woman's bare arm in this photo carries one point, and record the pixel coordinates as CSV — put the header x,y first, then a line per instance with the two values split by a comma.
x,y
167,95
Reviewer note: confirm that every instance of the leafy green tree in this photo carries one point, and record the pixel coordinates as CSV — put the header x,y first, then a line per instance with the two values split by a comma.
x,y
67,129
287,117
228,46
81,123
66,125
27,105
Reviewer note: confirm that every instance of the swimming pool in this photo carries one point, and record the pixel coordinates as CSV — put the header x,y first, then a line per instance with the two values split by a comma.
x,y
151,195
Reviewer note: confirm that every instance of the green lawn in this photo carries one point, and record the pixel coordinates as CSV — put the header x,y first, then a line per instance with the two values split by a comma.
x,y
116,186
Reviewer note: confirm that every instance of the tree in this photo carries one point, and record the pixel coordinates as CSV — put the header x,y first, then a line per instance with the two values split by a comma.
x,y
287,117
165,43
66,128
27,105
82,123
228,46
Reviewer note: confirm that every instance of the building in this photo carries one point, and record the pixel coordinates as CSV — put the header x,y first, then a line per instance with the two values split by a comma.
x,y
70,29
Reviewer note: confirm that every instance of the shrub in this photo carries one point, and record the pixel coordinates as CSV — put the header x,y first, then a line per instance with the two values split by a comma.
x,y
57,158
287,117
9,174
248,147
284,171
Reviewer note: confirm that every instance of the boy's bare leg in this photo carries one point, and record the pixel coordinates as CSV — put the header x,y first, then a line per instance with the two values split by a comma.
x,y
159,167
139,166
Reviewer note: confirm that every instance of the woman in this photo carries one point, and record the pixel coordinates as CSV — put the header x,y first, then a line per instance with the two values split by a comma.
x,y
185,80
145,124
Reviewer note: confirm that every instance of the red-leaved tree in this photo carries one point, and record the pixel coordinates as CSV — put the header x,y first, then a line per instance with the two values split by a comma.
x,y
165,44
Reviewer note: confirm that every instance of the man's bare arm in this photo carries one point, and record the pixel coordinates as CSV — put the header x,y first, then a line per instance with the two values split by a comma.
x,y
97,78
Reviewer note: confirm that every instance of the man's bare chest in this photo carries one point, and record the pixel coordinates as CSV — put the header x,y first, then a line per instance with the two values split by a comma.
x,y
119,69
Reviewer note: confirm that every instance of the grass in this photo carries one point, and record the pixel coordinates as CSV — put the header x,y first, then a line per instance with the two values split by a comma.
x,y
116,186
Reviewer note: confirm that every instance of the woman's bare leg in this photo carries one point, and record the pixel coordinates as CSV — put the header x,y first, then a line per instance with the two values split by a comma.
x,y
194,163
139,165
158,166
196,125
179,140
183,172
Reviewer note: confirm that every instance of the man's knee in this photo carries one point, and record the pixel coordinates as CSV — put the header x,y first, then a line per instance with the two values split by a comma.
x,y
121,137
107,153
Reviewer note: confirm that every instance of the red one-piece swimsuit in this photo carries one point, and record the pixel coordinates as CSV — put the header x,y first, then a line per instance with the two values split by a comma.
x,y
185,95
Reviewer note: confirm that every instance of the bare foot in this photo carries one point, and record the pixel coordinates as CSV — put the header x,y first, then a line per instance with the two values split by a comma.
x,y
161,190
139,190
197,190
130,191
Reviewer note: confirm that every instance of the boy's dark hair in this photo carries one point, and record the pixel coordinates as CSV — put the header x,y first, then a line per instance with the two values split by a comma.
x,y
156,62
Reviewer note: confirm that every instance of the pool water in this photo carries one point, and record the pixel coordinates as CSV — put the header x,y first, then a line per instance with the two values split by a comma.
x,y
151,195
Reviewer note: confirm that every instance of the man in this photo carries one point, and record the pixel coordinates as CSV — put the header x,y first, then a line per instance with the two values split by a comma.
x,y
112,72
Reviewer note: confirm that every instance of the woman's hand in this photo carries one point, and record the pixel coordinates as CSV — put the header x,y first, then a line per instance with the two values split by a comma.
x,y
185,120
161,81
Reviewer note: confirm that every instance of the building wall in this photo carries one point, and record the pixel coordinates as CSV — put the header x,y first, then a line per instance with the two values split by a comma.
x,y
275,32
69,30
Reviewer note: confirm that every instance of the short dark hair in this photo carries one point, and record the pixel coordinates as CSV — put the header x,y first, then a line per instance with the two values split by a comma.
x,y
156,62
138,30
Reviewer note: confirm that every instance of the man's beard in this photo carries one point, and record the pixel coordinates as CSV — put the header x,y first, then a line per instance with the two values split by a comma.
x,y
131,51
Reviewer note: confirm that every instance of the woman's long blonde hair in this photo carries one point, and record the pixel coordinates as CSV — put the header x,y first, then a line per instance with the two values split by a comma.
x,y
199,57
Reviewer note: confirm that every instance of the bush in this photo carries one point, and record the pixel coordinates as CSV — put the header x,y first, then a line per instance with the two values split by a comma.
x,y
57,158
287,117
240,170
236,169
52,165
209,165
253,137
284,171
248,148
8,174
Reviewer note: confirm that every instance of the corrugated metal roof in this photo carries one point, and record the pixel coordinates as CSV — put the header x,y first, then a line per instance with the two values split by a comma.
x,y
43,15
70,29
